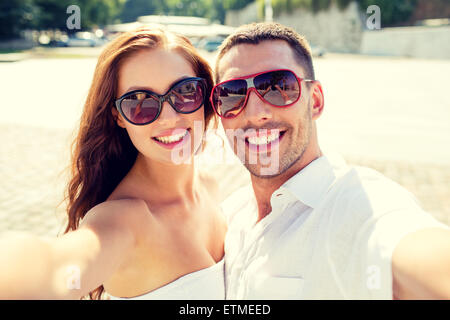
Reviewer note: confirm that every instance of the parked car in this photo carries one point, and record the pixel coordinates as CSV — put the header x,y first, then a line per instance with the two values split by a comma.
x,y
61,41
84,39
210,44
317,51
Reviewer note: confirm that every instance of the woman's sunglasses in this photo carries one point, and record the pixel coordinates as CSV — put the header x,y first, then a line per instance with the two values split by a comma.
x,y
279,88
141,107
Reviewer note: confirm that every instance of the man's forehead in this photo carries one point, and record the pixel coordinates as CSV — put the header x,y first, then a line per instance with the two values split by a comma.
x,y
246,59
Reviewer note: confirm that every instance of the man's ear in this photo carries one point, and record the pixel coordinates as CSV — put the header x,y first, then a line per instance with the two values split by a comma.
x,y
317,98
118,118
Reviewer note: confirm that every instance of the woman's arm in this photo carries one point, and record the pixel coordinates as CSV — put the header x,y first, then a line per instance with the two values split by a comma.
x,y
71,266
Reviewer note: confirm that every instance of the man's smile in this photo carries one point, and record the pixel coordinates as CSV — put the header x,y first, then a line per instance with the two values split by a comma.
x,y
263,140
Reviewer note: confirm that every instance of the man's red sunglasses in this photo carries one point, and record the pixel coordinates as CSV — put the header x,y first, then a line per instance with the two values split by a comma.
x,y
279,88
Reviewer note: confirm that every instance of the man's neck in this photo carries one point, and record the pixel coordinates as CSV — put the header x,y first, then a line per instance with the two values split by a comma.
x,y
265,187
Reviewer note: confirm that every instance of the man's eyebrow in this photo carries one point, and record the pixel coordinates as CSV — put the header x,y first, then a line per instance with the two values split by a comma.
x,y
132,88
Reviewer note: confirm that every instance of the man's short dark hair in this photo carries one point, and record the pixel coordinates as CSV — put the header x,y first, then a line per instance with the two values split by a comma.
x,y
255,33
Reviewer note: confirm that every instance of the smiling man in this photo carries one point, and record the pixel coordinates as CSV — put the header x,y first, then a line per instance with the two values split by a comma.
x,y
310,226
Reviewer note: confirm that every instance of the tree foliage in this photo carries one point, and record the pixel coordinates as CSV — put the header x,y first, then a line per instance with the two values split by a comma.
x,y
135,8
53,14
392,12
212,9
17,15
236,4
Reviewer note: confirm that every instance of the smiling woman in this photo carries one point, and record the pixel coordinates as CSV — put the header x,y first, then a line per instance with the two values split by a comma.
x,y
139,224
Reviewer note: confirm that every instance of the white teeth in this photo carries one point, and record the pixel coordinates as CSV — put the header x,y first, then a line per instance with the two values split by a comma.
x,y
171,139
265,139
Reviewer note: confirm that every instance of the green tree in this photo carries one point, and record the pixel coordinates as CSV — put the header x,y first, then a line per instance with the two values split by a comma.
x,y
217,11
211,9
236,4
133,9
342,4
198,8
392,12
102,12
319,5
52,14
16,15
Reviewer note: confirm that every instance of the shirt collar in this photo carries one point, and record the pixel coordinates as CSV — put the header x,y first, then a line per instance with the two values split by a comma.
x,y
310,184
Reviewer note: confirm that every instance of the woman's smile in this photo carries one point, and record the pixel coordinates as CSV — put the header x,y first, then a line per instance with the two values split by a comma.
x,y
172,138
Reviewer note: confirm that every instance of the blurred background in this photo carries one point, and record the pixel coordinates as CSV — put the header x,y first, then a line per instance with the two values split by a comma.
x,y
384,72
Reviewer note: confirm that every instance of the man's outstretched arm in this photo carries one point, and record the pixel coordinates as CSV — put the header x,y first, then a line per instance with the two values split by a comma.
x,y
421,265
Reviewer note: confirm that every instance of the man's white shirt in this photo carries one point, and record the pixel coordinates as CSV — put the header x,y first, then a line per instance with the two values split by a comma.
x,y
330,235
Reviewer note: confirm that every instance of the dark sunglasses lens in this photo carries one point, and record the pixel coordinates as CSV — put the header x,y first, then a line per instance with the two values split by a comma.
x,y
229,97
188,96
140,108
279,88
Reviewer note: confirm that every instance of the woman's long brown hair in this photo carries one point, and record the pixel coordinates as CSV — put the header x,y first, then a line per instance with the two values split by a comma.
x,y
102,153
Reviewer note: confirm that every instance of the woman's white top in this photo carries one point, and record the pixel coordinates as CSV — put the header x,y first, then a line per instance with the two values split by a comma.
x,y
204,284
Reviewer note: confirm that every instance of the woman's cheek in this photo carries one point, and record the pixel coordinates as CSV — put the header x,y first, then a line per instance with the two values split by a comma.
x,y
198,130
139,138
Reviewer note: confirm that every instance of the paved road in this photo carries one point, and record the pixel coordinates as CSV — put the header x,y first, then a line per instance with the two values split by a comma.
x,y
389,114
387,108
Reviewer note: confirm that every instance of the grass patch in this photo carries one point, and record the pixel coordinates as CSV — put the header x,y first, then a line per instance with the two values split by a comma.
x,y
5,51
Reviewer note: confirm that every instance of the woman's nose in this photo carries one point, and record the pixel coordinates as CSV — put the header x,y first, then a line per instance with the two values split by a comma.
x,y
168,113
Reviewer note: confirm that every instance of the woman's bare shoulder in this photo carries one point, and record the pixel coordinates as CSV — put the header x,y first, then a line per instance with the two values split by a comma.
x,y
119,206
122,213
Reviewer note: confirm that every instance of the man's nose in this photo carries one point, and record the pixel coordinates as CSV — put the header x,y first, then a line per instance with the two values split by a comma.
x,y
257,110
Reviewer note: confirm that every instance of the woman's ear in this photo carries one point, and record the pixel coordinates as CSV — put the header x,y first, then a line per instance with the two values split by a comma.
x,y
317,100
118,118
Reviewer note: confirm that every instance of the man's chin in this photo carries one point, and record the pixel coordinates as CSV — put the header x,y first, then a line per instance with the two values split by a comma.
x,y
262,172
272,170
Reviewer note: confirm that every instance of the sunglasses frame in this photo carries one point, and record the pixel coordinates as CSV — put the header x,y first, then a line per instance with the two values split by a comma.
x,y
161,99
251,87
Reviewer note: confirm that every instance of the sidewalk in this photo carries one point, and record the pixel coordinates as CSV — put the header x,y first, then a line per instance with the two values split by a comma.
x,y
32,185
39,52
14,57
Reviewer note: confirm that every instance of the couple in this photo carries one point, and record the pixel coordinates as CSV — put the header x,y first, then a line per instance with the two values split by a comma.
x,y
141,226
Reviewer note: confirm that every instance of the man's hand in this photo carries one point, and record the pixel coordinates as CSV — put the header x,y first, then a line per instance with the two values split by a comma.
x,y
421,265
